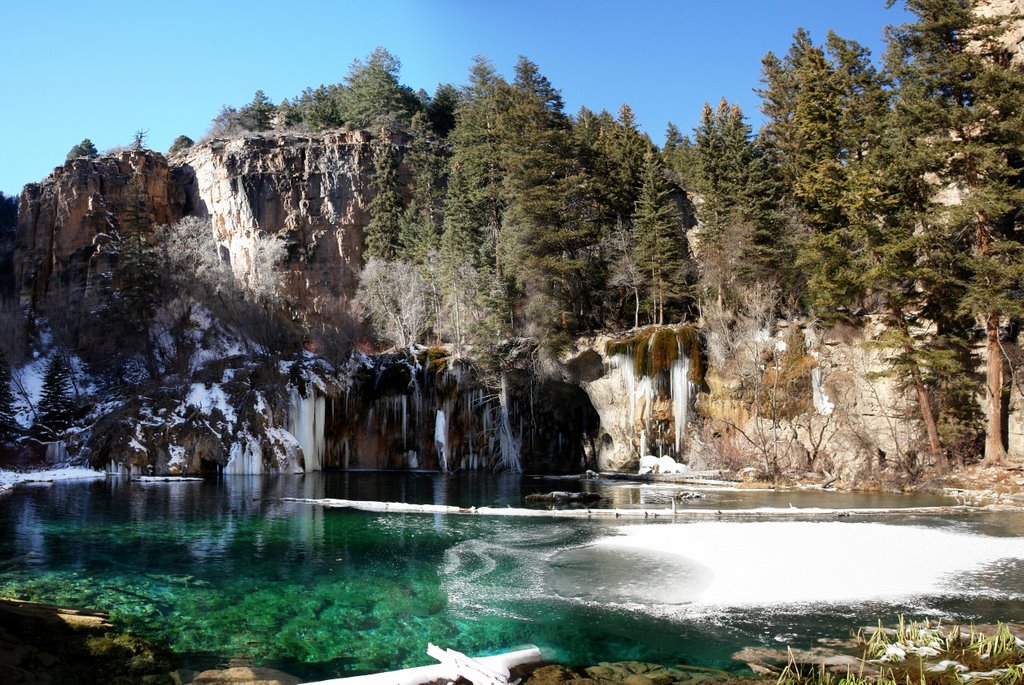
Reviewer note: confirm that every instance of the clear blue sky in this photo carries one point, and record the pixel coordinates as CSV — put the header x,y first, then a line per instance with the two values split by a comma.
x,y
103,70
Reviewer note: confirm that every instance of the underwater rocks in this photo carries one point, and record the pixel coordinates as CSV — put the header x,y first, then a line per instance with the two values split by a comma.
x,y
244,675
45,644
628,673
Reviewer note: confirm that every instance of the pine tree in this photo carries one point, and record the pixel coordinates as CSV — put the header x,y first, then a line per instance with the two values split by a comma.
x,y
373,96
742,239
386,216
10,430
83,149
138,273
541,240
965,105
475,202
627,150
427,159
57,405
258,115
658,235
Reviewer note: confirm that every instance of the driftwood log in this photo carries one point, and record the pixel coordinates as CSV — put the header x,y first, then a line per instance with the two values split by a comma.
x,y
563,497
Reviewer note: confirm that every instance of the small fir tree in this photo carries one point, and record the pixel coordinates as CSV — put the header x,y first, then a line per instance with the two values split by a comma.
x,y
9,428
258,115
83,149
57,405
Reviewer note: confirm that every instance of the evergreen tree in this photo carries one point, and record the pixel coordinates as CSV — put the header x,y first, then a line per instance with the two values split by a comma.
x,y
657,230
258,115
8,212
627,150
440,109
321,108
137,274
83,149
742,239
57,404
180,144
10,430
541,240
427,159
382,232
373,96
475,203
965,105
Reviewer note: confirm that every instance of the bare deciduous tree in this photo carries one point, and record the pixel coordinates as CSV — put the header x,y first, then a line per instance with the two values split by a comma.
x,y
395,297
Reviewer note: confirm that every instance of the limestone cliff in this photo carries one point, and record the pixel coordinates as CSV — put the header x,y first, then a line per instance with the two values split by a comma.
x,y
311,190
63,250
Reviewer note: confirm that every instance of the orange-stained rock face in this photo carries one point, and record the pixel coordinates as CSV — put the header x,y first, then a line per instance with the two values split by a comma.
x,y
64,223
310,190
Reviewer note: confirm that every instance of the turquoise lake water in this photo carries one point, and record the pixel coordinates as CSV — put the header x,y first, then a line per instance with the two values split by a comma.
x,y
224,569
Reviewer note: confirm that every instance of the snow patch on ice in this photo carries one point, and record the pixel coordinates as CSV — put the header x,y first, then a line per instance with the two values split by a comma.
x,y
9,479
724,550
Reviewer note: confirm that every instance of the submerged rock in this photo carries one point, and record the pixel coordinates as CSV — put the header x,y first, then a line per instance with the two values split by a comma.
x,y
627,673
41,643
244,675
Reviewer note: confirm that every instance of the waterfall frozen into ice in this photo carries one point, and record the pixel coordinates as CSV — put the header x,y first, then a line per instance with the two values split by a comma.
x,y
441,439
245,458
647,385
56,452
680,389
306,416
822,403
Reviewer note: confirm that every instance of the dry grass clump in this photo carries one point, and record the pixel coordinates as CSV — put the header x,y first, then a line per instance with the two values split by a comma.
x,y
922,653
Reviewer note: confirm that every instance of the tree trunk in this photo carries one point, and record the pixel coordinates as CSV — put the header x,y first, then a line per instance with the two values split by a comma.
x,y
636,308
995,452
924,400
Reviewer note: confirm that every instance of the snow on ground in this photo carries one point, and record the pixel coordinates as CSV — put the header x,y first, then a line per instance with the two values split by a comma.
x,y
9,479
27,384
207,398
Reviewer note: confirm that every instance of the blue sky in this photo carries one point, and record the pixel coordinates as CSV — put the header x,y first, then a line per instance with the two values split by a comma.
x,y
103,70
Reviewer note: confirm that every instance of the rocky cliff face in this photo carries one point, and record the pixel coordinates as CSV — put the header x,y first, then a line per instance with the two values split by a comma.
x,y
63,252
310,190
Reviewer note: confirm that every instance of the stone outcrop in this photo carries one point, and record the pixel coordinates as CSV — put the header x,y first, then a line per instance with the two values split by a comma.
x,y
838,410
1011,12
312,191
64,253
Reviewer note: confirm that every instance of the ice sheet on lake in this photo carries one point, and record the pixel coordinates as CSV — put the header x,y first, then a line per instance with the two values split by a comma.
x,y
730,564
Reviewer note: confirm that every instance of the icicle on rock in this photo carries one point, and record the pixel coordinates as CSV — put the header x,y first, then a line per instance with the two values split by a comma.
x,y
822,403
441,440
306,419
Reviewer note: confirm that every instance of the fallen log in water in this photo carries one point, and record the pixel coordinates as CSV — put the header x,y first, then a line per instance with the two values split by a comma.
x,y
486,670
762,512
562,497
